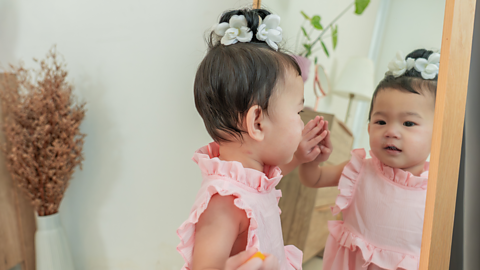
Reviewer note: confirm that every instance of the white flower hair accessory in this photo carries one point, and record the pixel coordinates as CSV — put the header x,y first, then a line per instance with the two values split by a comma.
x,y
235,30
398,66
269,31
428,68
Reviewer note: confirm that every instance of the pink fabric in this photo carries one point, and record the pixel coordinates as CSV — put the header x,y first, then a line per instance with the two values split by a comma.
x,y
304,64
255,193
383,211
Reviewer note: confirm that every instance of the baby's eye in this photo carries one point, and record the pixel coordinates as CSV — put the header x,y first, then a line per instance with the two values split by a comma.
x,y
380,122
409,124
300,112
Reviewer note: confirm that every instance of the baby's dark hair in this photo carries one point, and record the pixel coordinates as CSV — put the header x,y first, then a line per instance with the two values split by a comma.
x,y
231,79
411,81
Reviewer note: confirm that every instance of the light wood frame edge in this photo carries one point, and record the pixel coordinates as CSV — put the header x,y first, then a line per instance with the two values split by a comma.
x,y
447,134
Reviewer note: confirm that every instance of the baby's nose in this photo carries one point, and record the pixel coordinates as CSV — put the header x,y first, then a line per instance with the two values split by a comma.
x,y
392,132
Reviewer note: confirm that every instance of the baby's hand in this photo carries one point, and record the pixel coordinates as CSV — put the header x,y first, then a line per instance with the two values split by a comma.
x,y
243,261
325,144
315,144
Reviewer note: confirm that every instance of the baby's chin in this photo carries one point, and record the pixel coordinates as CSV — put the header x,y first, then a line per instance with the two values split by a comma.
x,y
279,162
393,162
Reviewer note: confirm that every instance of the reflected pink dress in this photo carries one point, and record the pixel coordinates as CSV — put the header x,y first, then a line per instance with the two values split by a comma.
x,y
383,210
255,193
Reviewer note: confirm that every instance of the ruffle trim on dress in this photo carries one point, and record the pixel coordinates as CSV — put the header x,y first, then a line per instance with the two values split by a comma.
x,y
186,232
209,163
400,176
386,259
294,257
348,180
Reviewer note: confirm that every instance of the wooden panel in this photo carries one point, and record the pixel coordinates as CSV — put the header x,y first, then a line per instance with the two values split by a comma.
x,y
26,221
299,230
10,248
17,218
290,187
447,134
342,142
325,196
318,231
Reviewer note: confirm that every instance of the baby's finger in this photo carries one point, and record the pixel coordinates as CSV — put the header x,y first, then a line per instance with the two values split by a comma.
x,y
325,150
323,126
327,142
313,153
253,264
312,133
237,260
270,263
317,139
311,124
326,125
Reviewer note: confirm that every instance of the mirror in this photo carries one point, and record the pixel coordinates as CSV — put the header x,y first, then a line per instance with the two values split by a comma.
x,y
321,84
392,25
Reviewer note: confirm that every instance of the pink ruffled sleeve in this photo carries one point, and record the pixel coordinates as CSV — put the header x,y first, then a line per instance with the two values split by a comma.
x,y
186,232
348,180
278,195
294,257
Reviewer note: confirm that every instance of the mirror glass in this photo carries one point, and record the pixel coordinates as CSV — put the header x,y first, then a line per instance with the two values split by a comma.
x,y
384,28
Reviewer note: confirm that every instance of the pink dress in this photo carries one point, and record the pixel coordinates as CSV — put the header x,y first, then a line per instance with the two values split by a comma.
x,y
255,193
383,209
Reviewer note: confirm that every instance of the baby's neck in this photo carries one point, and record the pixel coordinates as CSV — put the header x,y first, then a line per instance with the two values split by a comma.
x,y
416,170
235,151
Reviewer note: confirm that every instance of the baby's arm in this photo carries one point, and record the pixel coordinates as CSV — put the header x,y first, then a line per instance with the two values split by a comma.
x,y
215,234
314,176
216,231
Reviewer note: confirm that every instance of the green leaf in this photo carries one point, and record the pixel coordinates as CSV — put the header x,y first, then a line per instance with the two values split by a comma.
x,y
315,21
305,33
360,6
325,49
334,36
316,60
308,47
305,15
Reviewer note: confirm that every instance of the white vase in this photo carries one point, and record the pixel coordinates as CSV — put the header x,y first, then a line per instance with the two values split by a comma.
x,y
51,247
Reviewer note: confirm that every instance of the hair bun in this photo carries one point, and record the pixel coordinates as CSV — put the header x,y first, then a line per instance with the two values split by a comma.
x,y
247,25
420,63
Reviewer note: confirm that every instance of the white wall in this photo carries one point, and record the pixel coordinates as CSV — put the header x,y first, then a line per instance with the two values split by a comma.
x,y
133,62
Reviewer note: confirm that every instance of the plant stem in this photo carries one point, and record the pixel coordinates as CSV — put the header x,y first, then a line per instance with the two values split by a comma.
x,y
298,34
334,20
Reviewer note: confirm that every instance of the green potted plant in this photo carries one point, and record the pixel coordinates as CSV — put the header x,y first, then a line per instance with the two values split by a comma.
x,y
311,26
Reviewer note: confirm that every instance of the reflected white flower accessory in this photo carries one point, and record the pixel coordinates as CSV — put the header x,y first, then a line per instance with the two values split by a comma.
x,y
270,31
235,30
427,67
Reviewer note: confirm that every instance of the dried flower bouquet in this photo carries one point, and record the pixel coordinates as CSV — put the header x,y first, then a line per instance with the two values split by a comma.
x,y
43,142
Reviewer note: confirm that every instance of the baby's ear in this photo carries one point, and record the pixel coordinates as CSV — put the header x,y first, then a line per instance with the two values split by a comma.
x,y
254,123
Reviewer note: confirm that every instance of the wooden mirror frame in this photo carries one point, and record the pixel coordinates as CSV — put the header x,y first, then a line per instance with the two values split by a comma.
x,y
447,134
